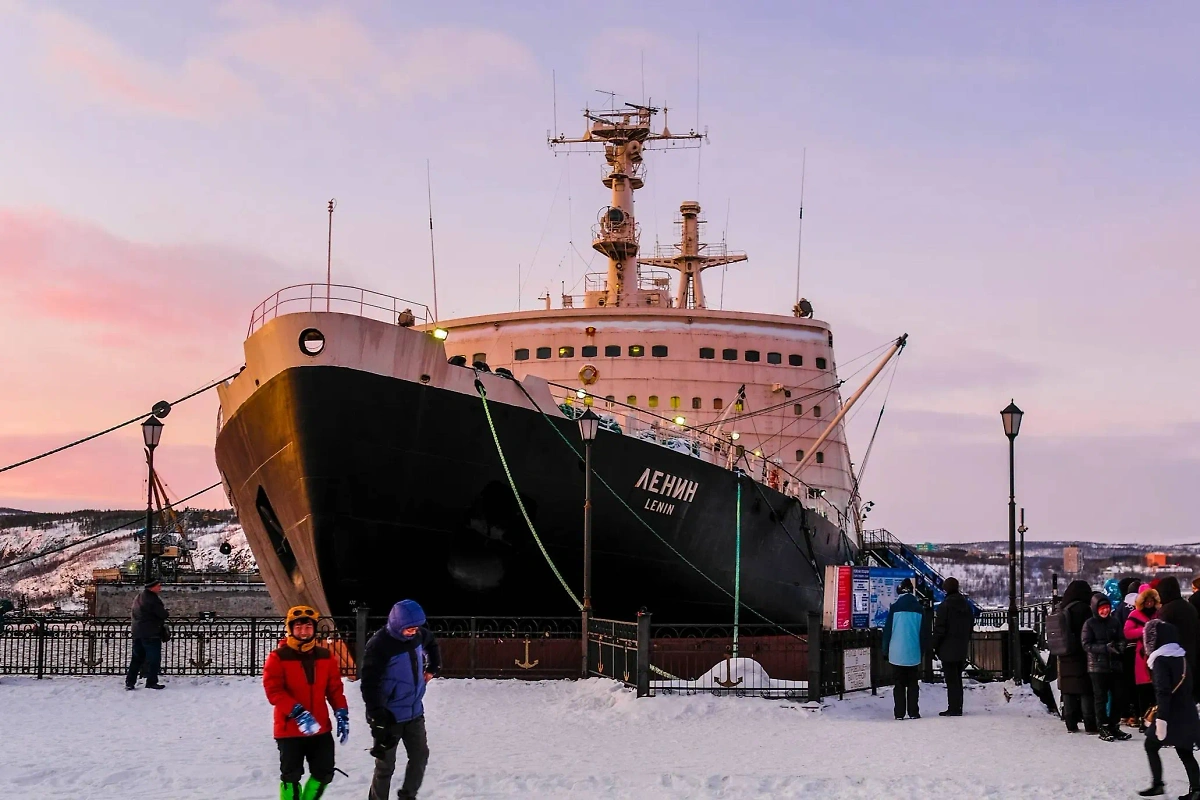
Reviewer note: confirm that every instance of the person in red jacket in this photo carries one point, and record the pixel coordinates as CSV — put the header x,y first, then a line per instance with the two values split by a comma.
x,y
300,678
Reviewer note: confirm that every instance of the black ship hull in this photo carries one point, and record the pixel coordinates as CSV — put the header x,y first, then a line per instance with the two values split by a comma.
x,y
356,488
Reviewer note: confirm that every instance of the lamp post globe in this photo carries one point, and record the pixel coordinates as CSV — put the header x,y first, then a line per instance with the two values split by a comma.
x,y
1011,417
589,425
151,433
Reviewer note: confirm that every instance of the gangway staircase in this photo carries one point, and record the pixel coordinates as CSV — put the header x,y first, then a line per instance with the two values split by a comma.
x,y
881,548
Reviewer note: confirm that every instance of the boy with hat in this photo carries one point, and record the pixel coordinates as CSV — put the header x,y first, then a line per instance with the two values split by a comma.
x,y
300,678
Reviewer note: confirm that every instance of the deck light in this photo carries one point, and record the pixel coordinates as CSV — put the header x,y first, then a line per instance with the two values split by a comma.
x,y
680,421
580,393
441,334
735,436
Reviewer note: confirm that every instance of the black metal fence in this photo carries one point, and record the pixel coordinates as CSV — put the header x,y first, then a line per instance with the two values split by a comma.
x,y
763,660
621,651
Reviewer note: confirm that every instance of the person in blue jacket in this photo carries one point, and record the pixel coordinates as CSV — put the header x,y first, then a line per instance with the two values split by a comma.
x,y
905,640
398,662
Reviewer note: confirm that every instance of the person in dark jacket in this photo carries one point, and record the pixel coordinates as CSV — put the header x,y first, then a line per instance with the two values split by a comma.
x,y
954,622
1176,723
149,618
301,679
1073,680
906,640
399,661
1174,610
1194,599
1103,642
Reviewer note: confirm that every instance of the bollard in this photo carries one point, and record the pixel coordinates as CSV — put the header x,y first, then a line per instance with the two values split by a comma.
x,y
814,657
360,638
643,653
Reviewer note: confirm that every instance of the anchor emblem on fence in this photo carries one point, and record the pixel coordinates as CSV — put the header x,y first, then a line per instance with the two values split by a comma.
x,y
200,661
91,660
526,664
727,683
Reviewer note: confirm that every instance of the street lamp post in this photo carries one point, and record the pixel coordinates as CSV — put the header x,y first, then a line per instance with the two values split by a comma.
x,y
1012,426
589,426
151,433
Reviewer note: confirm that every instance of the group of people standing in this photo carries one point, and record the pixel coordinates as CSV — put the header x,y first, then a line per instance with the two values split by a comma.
x,y
1131,660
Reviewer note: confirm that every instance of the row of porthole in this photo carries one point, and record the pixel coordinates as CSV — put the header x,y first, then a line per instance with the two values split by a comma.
x,y
656,351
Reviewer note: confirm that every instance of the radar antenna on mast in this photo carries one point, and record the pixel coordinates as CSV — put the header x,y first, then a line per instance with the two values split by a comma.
x,y
622,134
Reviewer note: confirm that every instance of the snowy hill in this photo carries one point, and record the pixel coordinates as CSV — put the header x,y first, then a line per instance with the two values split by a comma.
x,y
58,579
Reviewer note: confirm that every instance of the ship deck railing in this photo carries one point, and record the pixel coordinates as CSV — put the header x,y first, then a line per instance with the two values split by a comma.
x,y
698,442
342,299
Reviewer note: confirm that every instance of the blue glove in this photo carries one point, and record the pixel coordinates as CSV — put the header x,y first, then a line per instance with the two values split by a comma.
x,y
304,720
343,724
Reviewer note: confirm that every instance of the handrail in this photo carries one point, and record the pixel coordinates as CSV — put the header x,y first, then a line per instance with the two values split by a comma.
x,y
338,297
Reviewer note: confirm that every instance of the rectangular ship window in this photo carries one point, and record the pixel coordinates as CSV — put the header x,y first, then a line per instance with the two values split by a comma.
x,y
653,401
612,350
820,363
543,352
820,458
795,360
752,355
729,354
631,400
521,354
697,402
659,351
816,411
589,351
479,357
708,352
799,455
566,352
675,401
797,409
636,351
718,404
774,358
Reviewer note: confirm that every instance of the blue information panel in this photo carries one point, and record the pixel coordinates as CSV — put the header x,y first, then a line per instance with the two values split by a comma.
x,y
883,584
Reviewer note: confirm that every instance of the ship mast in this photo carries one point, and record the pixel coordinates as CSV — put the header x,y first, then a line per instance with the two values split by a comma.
x,y
623,134
691,257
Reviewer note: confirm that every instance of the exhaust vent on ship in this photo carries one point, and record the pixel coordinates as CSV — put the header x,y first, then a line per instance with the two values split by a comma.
x,y
279,542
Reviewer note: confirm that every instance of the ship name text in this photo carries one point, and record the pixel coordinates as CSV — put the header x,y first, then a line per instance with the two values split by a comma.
x,y
669,486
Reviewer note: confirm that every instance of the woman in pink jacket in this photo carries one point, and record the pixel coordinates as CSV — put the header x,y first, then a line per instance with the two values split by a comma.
x,y
1144,610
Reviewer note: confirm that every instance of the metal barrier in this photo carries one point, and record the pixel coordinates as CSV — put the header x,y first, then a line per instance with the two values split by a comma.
x,y
339,298
763,661
621,651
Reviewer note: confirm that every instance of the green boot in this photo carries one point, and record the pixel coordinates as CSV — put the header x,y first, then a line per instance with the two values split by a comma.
x,y
289,791
313,789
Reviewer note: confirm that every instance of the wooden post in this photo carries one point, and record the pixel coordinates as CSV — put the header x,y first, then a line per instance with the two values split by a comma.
x,y
814,656
643,653
360,638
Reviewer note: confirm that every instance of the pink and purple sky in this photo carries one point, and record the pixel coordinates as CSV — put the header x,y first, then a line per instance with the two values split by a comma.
x,y
1013,185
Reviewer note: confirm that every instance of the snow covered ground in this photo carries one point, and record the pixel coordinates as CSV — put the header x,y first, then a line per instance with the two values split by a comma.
x,y
83,738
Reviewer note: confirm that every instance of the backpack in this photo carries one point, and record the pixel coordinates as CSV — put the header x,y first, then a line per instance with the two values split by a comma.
x,y
1059,638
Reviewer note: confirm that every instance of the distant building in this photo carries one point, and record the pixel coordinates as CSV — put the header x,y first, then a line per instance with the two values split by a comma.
x,y
1072,560
1156,559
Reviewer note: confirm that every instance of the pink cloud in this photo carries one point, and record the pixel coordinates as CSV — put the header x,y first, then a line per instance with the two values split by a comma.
x,y
324,55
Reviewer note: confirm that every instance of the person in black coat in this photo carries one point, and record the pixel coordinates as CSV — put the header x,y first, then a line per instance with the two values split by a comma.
x,y
1176,723
1073,680
1103,643
149,619
954,621
1174,610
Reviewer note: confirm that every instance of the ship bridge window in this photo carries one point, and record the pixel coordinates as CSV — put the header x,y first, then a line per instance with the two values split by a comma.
x,y
612,350
797,409
631,400
774,358
589,351
543,352
752,355
697,402
636,351
820,458
795,360
799,455
609,399
708,352
479,357
521,354
675,401
820,363
653,401
566,352
729,354
718,404
659,351
816,411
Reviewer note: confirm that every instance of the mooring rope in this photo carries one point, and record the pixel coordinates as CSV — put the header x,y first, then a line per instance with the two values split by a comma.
x,y
648,526
479,387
